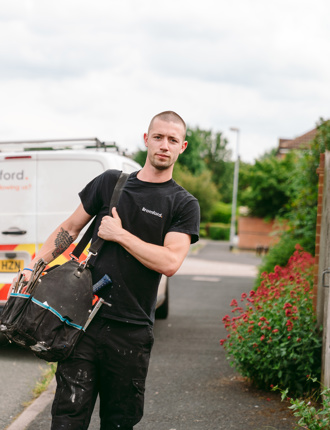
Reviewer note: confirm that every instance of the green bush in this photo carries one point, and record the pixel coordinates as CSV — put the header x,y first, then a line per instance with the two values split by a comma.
x,y
202,230
274,338
201,187
221,213
217,231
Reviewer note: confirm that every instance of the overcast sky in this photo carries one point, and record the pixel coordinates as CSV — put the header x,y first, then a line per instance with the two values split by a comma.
x,y
103,68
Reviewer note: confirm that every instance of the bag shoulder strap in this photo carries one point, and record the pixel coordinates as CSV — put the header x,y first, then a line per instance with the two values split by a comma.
x,y
96,246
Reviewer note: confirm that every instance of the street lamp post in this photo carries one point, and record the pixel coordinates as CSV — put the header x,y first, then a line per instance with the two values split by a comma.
x,y
235,187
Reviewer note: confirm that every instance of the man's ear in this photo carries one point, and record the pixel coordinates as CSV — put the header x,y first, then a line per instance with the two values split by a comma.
x,y
145,138
184,146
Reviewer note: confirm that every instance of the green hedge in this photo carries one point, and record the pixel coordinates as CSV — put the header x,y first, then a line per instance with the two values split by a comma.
x,y
215,230
221,213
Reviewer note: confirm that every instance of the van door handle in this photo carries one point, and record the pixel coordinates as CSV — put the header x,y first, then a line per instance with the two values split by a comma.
x,y
15,231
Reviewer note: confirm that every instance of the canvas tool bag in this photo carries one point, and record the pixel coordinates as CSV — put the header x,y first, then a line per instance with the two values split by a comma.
x,y
57,304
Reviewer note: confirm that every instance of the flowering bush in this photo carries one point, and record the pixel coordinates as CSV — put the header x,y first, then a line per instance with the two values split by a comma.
x,y
272,337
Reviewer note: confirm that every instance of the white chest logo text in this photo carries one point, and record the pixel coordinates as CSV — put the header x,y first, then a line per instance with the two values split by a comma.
x,y
148,211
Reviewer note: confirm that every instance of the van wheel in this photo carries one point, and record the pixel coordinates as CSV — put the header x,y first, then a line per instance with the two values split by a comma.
x,y
162,311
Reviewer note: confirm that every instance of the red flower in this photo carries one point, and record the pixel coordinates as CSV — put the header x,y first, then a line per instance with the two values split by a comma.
x,y
238,308
234,303
222,341
262,337
289,325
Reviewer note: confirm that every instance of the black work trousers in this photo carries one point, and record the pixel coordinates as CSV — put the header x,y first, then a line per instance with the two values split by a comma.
x,y
111,360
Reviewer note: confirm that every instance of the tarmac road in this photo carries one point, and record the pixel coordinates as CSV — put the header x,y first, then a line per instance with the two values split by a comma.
x,y
19,371
191,385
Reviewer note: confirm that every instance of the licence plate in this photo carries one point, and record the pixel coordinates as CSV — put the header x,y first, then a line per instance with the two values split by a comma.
x,y
11,266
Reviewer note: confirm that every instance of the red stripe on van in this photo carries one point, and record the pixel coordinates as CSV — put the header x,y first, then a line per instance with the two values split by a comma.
x,y
13,157
7,247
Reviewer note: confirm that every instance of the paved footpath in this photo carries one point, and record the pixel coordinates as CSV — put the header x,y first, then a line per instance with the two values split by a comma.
x,y
190,384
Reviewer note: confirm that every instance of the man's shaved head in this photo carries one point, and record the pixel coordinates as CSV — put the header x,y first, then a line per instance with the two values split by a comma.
x,y
169,116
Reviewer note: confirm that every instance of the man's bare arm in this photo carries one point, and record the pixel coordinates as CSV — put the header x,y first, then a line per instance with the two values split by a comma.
x,y
62,236
165,259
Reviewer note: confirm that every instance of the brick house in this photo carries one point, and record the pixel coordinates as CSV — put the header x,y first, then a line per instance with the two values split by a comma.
x,y
300,142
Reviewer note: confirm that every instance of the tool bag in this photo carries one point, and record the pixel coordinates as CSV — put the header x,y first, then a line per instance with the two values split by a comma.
x,y
57,304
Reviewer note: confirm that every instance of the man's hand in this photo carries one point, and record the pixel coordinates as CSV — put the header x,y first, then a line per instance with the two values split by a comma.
x,y
110,227
27,276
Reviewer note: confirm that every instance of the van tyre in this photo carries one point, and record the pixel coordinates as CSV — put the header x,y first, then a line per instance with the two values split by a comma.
x,y
162,311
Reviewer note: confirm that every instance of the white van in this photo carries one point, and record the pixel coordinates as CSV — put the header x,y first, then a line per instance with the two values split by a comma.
x,y
39,185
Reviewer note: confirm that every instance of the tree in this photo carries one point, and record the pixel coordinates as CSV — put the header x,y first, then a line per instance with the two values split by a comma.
x,y
192,157
140,157
208,151
217,159
268,193
200,186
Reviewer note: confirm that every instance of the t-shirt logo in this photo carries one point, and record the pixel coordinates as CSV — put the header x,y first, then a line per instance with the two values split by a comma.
x,y
148,211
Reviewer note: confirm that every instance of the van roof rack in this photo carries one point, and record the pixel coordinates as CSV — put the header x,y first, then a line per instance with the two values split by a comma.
x,y
57,144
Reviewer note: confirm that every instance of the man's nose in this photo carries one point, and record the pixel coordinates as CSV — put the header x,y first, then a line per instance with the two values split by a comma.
x,y
164,143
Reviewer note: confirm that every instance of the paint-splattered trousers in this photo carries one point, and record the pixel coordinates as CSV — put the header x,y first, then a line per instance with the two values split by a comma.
x,y
111,360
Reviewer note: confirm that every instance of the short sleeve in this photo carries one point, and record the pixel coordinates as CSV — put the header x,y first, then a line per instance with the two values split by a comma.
x,y
97,193
91,195
188,220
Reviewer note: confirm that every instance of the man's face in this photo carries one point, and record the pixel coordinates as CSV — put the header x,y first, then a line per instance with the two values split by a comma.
x,y
165,142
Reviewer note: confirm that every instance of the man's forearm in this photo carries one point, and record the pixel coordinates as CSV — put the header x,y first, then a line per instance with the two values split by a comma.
x,y
55,245
62,242
63,236
152,256
165,259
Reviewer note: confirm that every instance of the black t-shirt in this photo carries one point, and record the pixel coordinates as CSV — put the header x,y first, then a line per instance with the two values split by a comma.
x,y
149,211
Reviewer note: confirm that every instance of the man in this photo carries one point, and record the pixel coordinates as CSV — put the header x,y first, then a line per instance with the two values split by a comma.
x,y
148,235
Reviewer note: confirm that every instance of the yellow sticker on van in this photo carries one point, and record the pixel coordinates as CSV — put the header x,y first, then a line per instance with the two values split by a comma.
x,y
11,266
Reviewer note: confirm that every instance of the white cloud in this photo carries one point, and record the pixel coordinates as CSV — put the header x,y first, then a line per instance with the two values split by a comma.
x,y
80,68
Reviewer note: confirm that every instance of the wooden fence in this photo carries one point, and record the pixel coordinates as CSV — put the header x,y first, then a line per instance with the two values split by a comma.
x,y
322,253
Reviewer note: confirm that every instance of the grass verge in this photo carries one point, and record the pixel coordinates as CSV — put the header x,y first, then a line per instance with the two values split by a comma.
x,y
45,380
